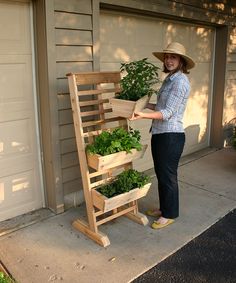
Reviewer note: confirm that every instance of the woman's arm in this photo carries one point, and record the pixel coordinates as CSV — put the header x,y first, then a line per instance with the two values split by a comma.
x,y
153,115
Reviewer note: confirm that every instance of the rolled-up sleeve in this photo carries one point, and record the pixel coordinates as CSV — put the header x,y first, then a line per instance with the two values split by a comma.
x,y
176,97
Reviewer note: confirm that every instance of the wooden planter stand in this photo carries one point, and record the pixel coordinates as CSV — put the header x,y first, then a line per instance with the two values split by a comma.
x,y
92,114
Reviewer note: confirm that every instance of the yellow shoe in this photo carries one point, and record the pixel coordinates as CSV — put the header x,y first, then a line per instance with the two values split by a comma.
x,y
153,212
158,225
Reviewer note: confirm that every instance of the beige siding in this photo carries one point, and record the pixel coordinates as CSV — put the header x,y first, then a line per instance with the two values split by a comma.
x,y
230,86
73,43
74,6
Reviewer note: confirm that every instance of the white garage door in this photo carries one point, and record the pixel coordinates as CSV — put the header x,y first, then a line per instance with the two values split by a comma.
x,y
20,181
126,37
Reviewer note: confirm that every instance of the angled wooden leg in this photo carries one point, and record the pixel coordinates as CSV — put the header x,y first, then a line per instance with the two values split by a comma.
x,y
98,237
136,216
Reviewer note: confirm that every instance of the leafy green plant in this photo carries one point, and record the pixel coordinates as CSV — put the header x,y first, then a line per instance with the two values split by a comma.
x,y
139,81
118,140
5,279
125,181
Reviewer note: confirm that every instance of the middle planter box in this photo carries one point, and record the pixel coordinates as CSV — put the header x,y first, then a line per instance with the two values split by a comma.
x,y
100,162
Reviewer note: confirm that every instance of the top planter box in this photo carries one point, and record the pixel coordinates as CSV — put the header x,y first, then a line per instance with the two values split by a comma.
x,y
126,108
100,162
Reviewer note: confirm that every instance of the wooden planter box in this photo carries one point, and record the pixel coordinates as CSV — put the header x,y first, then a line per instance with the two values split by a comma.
x,y
106,204
100,162
126,108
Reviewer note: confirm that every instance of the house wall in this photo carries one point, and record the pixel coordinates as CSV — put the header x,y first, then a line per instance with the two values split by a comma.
x,y
73,35
73,45
230,84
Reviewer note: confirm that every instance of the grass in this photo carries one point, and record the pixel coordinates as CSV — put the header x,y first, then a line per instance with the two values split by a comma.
x,y
5,278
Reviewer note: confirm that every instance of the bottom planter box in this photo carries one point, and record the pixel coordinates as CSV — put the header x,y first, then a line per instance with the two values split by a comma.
x,y
100,162
106,204
126,108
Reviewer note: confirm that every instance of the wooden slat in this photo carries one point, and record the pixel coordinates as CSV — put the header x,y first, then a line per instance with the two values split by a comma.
x,y
95,112
102,122
93,102
104,172
101,182
98,132
98,91
118,214
97,78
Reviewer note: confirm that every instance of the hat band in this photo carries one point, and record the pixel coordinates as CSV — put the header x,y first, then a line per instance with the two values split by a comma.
x,y
173,51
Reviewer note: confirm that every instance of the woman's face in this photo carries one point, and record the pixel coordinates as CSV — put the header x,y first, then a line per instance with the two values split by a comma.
x,y
171,61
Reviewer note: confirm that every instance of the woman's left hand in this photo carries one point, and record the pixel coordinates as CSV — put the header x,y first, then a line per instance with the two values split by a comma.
x,y
136,116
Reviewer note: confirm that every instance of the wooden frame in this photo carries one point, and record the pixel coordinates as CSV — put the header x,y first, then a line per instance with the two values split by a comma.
x,y
92,113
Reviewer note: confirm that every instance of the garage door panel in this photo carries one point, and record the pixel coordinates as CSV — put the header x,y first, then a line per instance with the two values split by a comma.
x,y
17,138
15,37
14,165
18,187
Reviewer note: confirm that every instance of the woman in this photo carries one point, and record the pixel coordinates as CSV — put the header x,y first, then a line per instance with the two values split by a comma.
x,y
168,135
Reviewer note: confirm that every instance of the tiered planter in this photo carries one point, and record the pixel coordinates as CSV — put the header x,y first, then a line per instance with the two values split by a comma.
x,y
106,167
126,108
99,162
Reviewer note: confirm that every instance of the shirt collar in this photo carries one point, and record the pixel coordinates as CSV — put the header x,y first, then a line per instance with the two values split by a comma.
x,y
173,76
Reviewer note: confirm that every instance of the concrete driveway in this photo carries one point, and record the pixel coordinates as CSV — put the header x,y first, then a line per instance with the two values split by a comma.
x,y
52,250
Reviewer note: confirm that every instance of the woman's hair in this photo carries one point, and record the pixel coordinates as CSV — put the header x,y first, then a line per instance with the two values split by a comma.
x,y
182,67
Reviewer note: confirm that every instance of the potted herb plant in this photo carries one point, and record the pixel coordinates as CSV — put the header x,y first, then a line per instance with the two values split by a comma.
x,y
137,86
128,186
111,149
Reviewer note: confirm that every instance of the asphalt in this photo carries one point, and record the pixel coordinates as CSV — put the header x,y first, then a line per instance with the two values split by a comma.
x,y
210,257
51,250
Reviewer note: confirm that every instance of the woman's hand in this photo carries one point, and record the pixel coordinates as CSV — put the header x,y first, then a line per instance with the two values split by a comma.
x,y
136,116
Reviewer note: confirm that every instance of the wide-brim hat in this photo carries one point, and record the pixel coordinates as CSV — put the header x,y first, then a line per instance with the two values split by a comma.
x,y
176,48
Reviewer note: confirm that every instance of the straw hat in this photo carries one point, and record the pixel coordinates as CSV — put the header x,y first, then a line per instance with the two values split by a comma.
x,y
176,48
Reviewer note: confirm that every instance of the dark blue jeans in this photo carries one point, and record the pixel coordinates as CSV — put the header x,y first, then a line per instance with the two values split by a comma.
x,y
166,152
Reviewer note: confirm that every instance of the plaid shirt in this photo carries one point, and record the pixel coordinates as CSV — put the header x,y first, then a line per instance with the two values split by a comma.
x,y
171,102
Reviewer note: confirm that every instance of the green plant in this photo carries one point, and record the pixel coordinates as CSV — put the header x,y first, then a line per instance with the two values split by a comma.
x,y
139,81
124,182
5,279
118,140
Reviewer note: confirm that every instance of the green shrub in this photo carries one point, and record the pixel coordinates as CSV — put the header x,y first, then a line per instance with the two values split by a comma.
x,y
5,279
